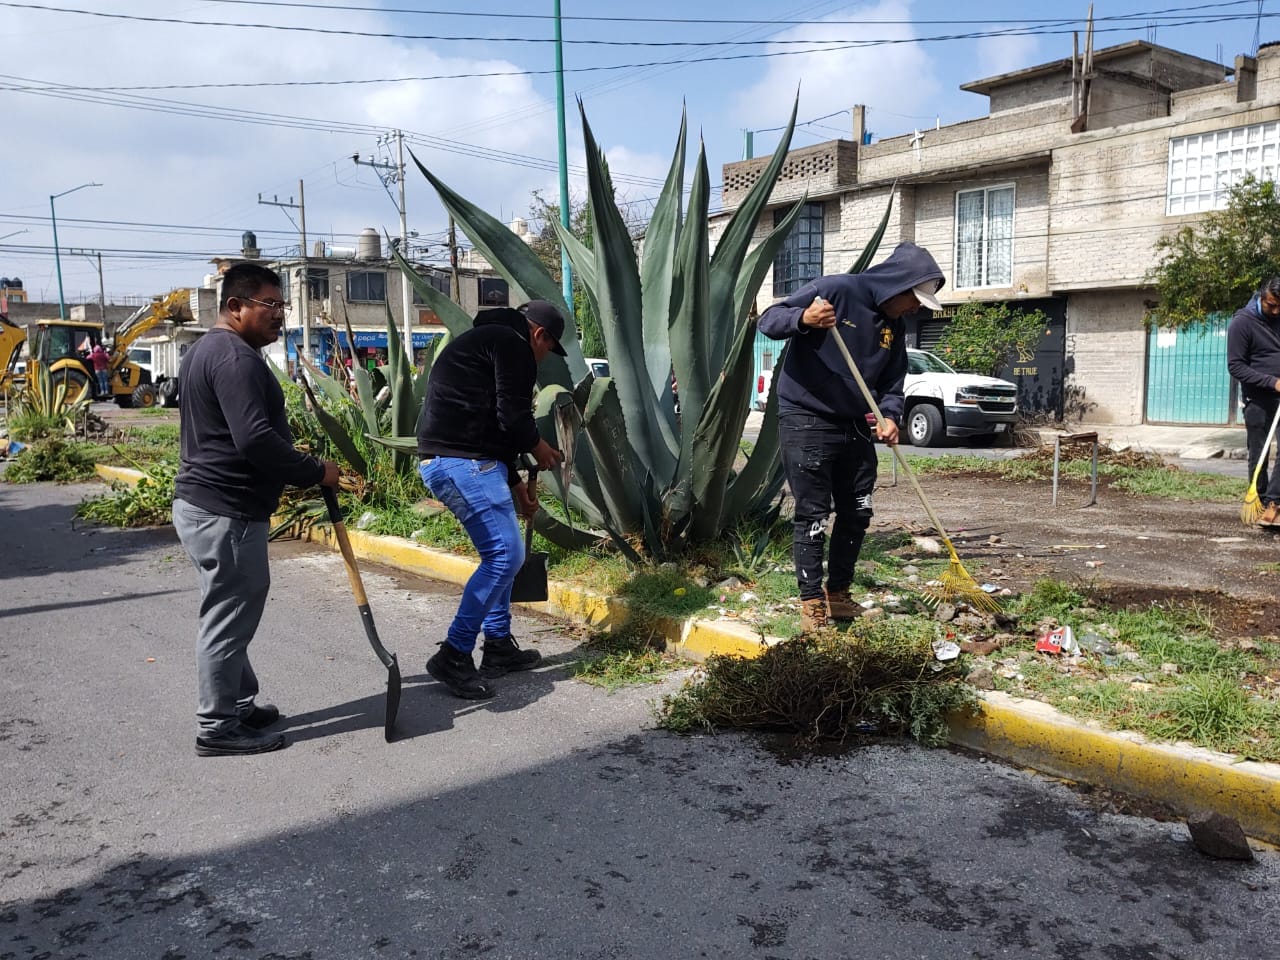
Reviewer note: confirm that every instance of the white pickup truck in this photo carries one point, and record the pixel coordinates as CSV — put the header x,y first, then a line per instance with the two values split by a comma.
x,y
942,403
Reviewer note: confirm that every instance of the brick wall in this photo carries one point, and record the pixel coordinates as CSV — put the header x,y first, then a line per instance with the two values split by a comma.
x,y
1106,347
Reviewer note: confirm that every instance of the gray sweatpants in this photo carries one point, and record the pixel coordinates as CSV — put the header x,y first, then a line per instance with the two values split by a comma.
x,y
230,557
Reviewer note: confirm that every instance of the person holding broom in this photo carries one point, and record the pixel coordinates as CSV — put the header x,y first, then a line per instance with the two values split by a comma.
x,y
477,419
1253,358
828,450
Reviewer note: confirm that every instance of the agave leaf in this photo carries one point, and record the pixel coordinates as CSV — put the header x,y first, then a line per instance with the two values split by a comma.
x,y
869,251
758,262
617,466
618,297
761,478
690,315
661,240
334,430
727,260
407,445
717,436
566,535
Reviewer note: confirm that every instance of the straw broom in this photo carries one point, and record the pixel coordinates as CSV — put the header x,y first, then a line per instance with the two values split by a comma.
x,y
1251,509
956,583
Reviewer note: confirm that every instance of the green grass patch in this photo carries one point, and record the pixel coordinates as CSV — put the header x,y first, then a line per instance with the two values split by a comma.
x,y
50,458
632,655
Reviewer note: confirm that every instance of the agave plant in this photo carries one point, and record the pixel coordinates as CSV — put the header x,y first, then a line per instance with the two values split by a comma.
x,y
642,472
53,397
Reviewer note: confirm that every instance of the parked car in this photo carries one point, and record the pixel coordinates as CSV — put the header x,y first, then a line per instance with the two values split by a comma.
x,y
942,403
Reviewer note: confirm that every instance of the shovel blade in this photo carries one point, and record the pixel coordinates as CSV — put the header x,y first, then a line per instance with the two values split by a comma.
x,y
393,699
530,584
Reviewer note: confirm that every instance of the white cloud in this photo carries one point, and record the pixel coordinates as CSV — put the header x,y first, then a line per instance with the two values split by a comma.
x,y
159,166
897,78
997,55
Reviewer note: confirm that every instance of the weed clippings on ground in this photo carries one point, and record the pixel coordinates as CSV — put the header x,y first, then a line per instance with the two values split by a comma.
x,y
631,655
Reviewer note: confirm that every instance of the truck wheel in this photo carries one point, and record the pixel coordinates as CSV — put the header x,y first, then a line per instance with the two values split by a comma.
x,y
144,395
924,425
167,393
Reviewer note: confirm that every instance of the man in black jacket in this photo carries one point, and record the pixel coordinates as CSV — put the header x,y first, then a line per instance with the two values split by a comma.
x,y
237,454
1253,358
477,419
828,453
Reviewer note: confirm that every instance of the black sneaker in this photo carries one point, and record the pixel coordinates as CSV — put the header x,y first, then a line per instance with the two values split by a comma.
x,y
262,715
505,656
238,741
457,671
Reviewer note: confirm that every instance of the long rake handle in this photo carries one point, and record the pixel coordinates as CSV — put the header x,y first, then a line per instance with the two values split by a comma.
x,y
880,422
1266,451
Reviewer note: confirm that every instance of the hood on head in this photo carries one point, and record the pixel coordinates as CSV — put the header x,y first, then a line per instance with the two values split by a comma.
x,y
907,267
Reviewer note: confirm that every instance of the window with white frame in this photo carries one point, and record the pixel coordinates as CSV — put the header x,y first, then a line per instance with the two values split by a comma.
x,y
984,237
1204,166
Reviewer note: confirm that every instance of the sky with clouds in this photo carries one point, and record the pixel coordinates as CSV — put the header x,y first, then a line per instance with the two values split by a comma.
x,y
256,108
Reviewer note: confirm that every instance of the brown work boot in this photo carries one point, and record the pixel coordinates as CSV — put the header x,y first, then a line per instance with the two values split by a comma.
x,y
1270,516
813,615
841,606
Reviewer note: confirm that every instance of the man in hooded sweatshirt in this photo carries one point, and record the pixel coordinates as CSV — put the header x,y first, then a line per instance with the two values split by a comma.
x,y
477,419
828,451
1253,358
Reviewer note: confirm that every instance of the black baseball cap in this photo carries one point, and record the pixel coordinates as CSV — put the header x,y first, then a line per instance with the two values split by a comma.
x,y
545,315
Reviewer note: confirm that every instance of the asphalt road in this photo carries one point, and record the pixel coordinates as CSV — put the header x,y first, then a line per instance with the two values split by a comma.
x,y
553,821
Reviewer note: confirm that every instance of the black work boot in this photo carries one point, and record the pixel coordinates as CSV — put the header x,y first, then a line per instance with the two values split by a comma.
x,y
457,671
505,656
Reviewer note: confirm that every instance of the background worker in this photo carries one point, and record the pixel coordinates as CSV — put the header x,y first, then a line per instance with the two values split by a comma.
x,y
477,419
828,453
101,361
237,454
1253,358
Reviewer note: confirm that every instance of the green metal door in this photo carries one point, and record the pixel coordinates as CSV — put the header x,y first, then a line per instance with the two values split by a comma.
x,y
1187,379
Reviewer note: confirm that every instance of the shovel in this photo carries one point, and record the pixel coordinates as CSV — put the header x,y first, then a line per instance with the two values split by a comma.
x,y
362,602
530,584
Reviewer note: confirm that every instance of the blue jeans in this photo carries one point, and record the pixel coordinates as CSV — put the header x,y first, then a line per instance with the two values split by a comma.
x,y
476,492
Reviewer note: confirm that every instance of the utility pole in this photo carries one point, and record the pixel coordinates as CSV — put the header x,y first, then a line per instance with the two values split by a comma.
x,y
566,271
102,296
301,207
394,173
455,285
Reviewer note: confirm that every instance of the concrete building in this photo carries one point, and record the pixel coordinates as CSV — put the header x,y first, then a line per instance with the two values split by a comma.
x,y
1053,200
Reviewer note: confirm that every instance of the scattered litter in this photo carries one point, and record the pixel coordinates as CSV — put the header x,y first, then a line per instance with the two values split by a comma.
x,y
748,597
1096,643
151,659
1094,564
946,649
990,588
866,726
679,591
1059,640
1228,539
1141,686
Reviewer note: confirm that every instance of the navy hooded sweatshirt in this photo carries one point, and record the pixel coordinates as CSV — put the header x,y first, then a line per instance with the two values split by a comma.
x,y
479,402
814,377
1253,353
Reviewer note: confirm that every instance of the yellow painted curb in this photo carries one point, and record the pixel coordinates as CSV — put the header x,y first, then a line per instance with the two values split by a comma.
x,y
1185,779
123,475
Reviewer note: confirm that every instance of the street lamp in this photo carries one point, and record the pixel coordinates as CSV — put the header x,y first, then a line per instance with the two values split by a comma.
x,y
57,258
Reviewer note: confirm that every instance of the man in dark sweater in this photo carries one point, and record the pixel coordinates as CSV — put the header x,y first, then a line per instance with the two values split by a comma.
x,y
477,419
236,456
1253,358
828,453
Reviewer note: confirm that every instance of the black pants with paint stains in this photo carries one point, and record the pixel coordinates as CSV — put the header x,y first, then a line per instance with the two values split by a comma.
x,y
1257,424
827,464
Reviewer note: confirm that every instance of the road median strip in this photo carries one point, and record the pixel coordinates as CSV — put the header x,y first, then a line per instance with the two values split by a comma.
x,y
1183,778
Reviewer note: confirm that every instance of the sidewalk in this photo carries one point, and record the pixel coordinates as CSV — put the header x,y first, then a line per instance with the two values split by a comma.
x,y
1190,443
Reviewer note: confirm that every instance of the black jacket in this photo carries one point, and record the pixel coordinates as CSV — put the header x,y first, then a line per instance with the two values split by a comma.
x,y
479,402
1253,353
815,378
237,451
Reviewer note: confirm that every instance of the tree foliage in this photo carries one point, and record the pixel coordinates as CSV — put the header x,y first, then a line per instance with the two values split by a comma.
x,y
545,243
983,338
1216,265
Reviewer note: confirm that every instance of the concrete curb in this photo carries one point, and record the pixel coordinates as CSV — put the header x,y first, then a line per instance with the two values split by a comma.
x,y
1183,778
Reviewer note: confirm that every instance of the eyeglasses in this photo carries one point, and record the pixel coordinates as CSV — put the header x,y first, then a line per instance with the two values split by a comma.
x,y
273,305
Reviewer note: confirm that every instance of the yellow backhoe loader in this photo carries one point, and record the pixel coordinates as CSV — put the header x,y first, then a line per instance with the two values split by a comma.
x,y
63,347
